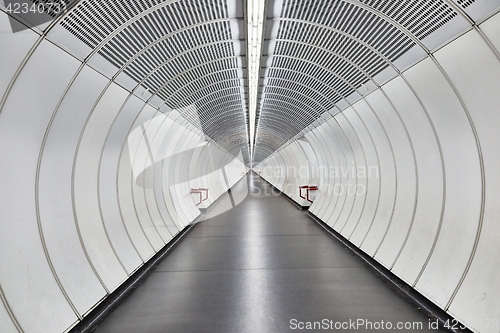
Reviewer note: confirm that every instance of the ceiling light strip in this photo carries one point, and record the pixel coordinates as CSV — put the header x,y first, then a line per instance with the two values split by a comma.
x,y
255,21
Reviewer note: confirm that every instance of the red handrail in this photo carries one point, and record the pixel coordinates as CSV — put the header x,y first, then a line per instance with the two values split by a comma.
x,y
200,192
307,188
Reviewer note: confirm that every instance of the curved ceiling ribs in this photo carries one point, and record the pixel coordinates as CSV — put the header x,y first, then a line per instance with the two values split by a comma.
x,y
343,42
184,52
317,57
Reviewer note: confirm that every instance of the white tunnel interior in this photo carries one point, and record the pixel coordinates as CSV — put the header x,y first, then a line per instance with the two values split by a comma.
x,y
392,113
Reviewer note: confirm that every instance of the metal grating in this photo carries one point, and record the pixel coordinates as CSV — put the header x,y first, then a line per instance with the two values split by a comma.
x,y
421,18
53,7
465,3
182,51
326,49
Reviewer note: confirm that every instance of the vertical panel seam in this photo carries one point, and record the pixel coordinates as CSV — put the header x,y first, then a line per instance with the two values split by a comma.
x,y
99,206
37,189
10,312
483,183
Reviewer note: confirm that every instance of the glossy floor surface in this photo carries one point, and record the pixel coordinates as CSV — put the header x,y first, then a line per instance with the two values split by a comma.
x,y
263,266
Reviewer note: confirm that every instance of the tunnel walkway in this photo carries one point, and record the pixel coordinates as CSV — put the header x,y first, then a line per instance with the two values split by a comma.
x,y
263,266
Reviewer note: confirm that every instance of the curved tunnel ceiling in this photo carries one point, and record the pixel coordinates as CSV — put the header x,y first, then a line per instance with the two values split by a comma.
x,y
318,57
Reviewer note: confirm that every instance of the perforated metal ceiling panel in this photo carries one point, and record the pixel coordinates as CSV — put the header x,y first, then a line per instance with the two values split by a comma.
x,y
465,3
317,56
53,7
181,51
325,50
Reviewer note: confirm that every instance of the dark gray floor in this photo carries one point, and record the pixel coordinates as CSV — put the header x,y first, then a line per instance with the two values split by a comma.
x,y
255,268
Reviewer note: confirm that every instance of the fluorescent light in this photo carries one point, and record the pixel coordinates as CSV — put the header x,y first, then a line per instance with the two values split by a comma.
x,y
255,19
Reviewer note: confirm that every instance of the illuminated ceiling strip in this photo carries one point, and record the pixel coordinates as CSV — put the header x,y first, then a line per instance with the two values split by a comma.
x,y
255,21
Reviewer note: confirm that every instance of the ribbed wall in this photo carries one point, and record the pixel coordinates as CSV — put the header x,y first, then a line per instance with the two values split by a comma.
x,y
94,181
409,173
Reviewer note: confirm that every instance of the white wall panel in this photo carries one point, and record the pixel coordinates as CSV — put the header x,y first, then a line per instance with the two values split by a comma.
x,y
306,159
145,243
277,175
385,200
98,62
343,150
108,169
425,225
172,138
149,135
203,166
271,170
154,213
404,205
160,200
214,181
178,174
491,28
288,162
221,184
217,182
152,227
55,192
94,185
157,132
427,157
475,71
288,159
265,169
323,196
14,49
6,323
336,180
139,147
358,190
427,216
235,170
276,163
372,190
280,176
296,172
139,159
185,203
60,36
280,164
463,182
93,231
154,142
158,146
179,188
268,170
328,200
318,145
24,118
208,181
197,169
358,163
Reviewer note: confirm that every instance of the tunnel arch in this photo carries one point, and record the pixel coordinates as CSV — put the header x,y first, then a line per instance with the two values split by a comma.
x,y
104,135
